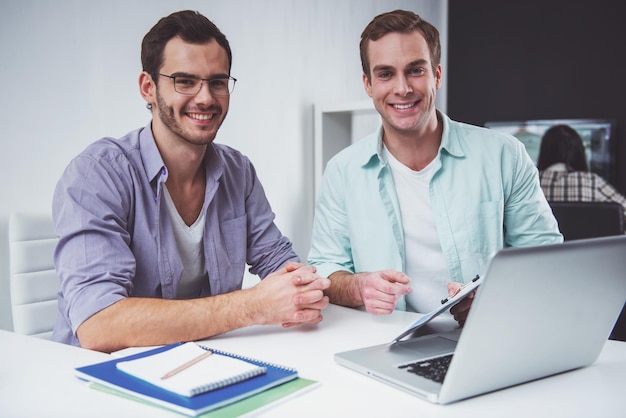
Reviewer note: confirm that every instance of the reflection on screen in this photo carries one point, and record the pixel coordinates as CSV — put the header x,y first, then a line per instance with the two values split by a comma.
x,y
595,133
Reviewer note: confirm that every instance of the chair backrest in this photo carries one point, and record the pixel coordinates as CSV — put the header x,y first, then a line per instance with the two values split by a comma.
x,y
33,280
578,220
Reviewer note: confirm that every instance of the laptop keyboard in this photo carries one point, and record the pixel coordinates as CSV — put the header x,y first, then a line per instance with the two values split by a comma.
x,y
433,369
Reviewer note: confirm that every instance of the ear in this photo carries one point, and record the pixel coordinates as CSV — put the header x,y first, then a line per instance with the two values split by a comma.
x,y
147,89
367,85
438,76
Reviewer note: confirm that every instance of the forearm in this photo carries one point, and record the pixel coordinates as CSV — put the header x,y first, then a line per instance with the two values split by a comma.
x,y
344,289
151,321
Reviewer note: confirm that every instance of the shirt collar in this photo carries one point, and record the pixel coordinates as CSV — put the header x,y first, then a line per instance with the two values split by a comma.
x,y
150,155
557,167
450,137
449,143
155,167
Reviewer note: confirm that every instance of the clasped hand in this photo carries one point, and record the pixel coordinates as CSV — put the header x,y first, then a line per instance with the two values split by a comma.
x,y
293,295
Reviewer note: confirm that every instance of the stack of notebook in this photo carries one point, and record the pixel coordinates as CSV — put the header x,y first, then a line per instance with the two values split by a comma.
x,y
194,380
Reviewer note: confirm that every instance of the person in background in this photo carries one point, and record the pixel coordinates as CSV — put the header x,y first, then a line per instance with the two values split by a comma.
x,y
156,228
563,171
408,214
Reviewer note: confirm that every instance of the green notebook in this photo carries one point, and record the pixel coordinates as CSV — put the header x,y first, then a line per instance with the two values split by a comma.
x,y
108,374
255,403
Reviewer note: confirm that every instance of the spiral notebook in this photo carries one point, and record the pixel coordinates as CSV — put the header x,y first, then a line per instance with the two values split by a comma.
x,y
210,373
110,375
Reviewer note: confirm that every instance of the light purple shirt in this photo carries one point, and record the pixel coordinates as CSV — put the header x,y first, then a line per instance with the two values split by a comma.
x,y
116,240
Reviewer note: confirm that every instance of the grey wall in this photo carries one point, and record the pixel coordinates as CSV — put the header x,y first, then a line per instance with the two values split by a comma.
x,y
69,76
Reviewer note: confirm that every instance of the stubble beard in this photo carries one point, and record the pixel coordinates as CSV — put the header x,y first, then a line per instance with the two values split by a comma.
x,y
168,119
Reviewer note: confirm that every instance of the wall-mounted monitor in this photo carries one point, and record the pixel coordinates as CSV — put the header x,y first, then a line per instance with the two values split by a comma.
x,y
597,135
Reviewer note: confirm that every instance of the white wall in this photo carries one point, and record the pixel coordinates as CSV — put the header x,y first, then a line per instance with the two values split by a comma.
x,y
69,73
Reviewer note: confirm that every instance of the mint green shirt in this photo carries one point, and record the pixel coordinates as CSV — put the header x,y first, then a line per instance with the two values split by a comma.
x,y
485,195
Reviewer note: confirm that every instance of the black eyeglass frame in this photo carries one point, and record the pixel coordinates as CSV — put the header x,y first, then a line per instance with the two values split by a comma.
x,y
202,80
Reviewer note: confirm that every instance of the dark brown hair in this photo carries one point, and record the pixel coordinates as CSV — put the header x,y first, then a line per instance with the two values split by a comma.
x,y
190,26
404,22
562,144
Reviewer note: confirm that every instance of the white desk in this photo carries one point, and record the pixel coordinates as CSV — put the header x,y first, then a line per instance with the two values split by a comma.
x,y
37,379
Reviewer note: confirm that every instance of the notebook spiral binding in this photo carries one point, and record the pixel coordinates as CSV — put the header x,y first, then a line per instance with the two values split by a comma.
x,y
227,382
249,359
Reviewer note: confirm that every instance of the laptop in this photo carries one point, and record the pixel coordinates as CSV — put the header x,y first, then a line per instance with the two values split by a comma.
x,y
538,311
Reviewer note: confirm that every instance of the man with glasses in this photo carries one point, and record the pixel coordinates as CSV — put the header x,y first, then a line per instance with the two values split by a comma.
x,y
156,228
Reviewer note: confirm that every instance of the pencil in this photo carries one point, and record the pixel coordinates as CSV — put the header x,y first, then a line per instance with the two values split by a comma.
x,y
186,365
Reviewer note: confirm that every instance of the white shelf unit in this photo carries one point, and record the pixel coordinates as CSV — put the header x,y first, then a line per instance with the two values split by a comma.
x,y
336,127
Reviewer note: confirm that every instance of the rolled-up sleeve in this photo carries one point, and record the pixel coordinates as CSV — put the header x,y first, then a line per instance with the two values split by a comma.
x,y
93,259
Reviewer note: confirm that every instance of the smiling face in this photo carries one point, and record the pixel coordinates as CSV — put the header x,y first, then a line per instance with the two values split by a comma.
x,y
402,83
193,119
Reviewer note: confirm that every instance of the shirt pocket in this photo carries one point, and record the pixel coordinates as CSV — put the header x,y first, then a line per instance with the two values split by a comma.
x,y
233,235
485,227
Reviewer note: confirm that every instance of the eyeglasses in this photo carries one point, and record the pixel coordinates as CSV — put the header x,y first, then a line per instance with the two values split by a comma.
x,y
190,85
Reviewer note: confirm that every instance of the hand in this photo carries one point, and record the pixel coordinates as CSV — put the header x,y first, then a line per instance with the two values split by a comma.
x,y
293,266
293,295
461,309
381,290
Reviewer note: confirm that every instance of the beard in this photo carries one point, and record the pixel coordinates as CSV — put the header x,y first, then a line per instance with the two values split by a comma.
x,y
203,137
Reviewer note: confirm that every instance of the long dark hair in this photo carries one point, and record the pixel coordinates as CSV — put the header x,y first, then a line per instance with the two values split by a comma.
x,y
562,144
191,26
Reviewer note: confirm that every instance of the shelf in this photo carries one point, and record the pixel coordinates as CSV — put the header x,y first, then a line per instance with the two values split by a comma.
x,y
337,125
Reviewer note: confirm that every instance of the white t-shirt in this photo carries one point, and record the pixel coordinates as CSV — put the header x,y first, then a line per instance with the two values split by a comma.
x,y
425,264
189,242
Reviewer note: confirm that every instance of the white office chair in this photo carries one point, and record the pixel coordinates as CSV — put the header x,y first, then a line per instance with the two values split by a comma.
x,y
33,279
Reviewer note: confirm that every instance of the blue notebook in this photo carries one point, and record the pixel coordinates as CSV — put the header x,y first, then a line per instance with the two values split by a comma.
x,y
108,374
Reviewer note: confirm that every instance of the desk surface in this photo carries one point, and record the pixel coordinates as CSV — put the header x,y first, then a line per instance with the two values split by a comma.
x,y
37,377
